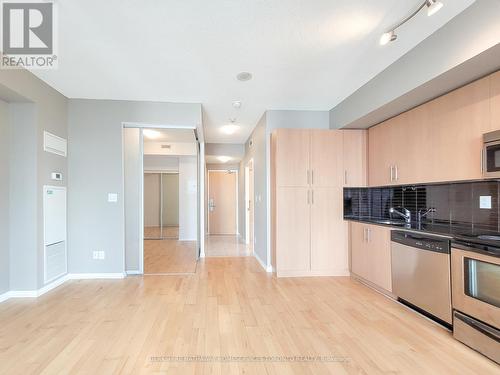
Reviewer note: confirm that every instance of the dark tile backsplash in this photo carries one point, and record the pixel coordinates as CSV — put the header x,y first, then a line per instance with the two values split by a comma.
x,y
457,204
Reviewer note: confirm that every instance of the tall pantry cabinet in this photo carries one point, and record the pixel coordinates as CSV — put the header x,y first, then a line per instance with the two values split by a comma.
x,y
309,235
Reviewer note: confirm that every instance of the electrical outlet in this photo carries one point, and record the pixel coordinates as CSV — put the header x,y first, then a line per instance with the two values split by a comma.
x,y
98,255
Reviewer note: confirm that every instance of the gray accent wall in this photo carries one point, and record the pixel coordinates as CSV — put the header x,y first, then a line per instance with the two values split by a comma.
x,y
96,169
34,107
458,53
4,197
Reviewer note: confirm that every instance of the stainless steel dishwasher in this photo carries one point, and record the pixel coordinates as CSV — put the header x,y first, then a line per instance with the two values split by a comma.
x,y
421,273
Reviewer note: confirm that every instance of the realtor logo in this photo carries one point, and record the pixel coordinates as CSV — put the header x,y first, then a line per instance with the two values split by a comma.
x,y
28,35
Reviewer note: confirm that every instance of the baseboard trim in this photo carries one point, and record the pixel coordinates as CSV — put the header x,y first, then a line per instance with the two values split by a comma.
x,y
268,268
58,282
90,276
133,272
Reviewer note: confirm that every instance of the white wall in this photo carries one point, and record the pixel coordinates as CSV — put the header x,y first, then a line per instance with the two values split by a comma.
x,y
161,163
177,149
188,198
95,162
4,197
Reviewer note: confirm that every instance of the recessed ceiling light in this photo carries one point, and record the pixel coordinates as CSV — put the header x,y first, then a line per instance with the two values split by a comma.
x,y
229,129
433,7
237,104
151,134
223,159
244,76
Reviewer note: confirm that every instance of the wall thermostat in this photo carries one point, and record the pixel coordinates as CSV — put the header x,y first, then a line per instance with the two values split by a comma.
x,y
56,176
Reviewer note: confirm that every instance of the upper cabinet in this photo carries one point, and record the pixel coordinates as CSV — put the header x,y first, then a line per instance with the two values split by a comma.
x,y
495,101
438,141
326,158
355,157
292,148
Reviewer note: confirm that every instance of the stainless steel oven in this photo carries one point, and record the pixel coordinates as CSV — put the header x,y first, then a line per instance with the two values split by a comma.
x,y
476,297
490,157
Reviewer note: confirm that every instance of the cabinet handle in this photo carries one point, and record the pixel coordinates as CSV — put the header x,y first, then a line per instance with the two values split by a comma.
x,y
312,177
364,235
308,197
396,177
308,173
312,196
368,235
392,173
345,177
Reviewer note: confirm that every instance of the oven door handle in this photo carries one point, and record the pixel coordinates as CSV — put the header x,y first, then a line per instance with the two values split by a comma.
x,y
478,326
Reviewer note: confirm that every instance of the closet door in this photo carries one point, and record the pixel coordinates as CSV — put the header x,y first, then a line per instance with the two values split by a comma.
x,y
292,157
293,233
329,253
326,158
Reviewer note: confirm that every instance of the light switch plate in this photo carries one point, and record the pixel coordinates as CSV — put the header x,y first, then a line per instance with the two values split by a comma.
x,y
112,197
485,202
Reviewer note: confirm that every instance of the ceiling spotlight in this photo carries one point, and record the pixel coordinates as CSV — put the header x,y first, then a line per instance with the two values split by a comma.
x,y
237,104
223,159
433,7
244,76
388,37
151,134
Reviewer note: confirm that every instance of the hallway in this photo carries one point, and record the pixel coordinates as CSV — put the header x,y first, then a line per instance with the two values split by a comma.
x,y
169,256
226,246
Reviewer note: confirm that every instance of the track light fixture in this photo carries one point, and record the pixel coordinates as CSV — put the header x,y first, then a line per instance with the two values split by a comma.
x,y
433,6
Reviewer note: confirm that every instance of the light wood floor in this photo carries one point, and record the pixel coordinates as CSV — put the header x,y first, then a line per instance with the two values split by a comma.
x,y
229,307
222,245
169,256
156,232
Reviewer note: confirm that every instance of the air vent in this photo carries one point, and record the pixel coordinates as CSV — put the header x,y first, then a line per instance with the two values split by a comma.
x,y
54,144
166,146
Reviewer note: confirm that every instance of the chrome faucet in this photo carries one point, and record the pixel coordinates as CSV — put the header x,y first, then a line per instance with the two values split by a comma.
x,y
421,215
406,214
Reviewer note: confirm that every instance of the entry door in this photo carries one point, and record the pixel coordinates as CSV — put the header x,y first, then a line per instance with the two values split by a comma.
x,y
222,202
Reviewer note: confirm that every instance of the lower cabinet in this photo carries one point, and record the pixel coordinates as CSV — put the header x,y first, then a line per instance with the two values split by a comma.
x,y
370,251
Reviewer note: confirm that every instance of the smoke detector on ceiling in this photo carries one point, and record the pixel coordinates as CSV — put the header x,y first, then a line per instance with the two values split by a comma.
x,y
244,76
237,104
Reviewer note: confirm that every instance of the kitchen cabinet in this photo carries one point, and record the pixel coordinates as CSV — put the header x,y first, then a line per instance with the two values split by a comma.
x,y
370,252
355,158
495,101
293,149
308,233
438,141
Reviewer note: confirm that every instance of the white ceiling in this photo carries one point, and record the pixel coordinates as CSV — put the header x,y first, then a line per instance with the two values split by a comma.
x,y
170,135
303,54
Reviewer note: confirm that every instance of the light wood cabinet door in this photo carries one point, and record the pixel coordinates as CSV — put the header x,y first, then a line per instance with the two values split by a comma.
x,y
292,157
355,157
379,253
293,231
326,158
329,255
360,262
458,121
495,101
380,154
370,247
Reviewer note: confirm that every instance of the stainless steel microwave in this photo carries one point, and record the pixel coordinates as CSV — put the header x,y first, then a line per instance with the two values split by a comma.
x,y
491,154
